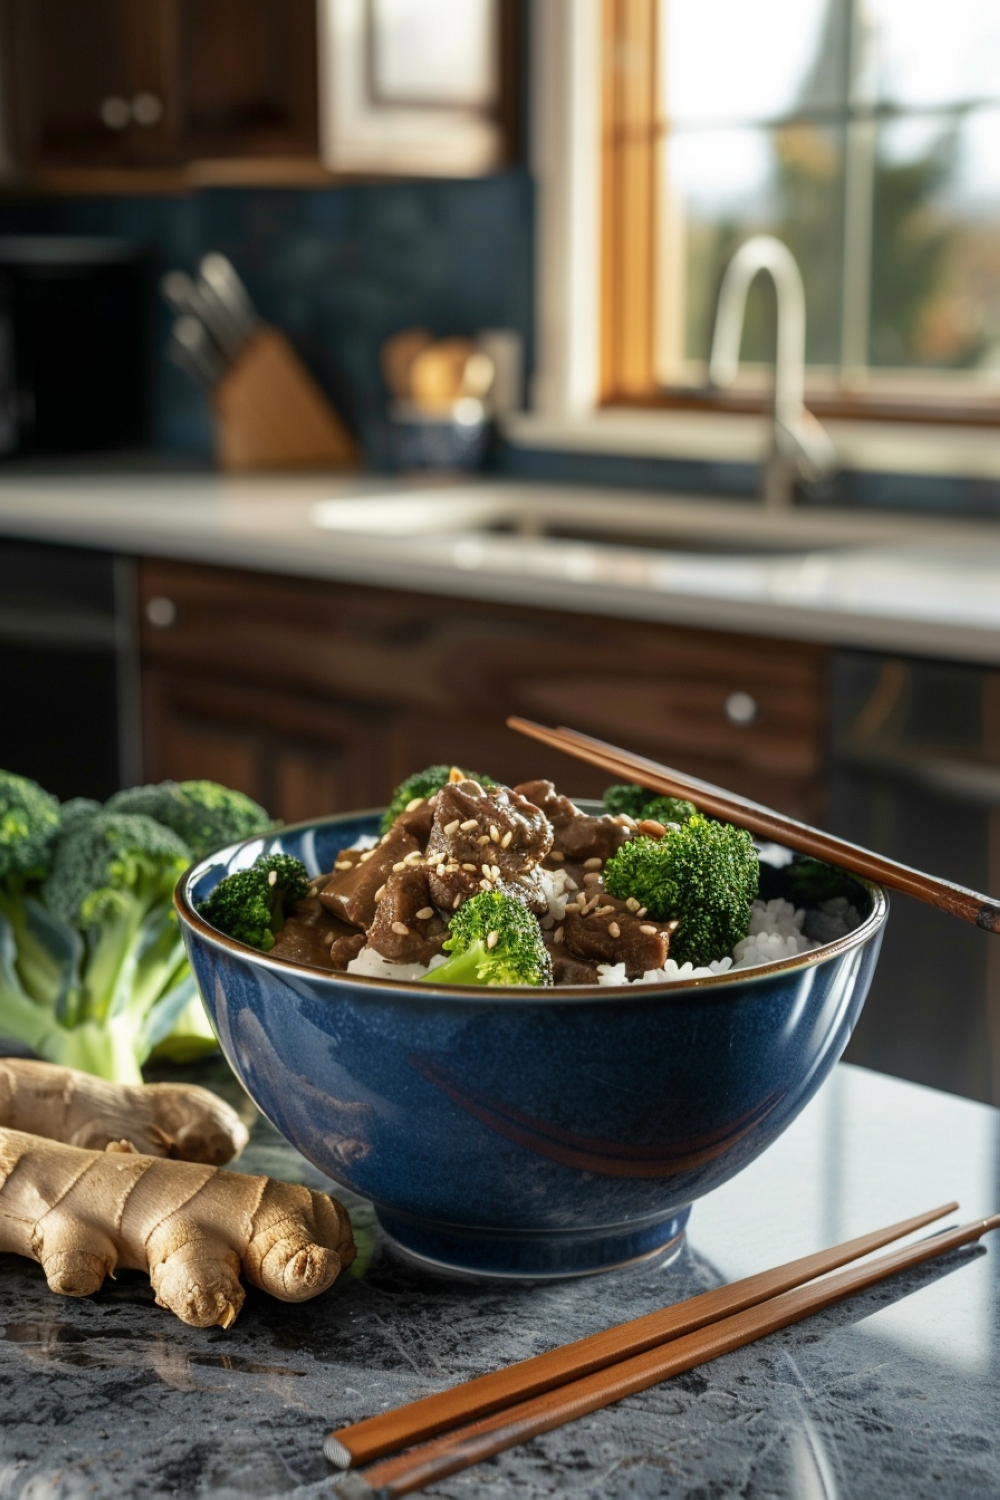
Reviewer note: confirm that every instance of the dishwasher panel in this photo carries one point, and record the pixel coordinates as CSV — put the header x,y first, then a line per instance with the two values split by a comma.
x,y
915,774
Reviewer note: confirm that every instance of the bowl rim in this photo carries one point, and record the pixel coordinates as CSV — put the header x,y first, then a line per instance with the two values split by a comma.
x,y
510,994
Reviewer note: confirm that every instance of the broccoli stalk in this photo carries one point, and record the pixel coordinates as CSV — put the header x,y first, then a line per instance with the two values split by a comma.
x,y
424,784
703,874
494,939
251,905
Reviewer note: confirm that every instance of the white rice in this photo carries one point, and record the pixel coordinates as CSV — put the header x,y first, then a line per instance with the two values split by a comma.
x,y
777,930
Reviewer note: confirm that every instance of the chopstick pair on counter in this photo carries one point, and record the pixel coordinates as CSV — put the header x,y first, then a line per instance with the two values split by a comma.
x,y
460,1427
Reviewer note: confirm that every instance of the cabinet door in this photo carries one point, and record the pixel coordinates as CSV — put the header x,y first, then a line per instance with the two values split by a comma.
x,y
70,72
240,77
299,758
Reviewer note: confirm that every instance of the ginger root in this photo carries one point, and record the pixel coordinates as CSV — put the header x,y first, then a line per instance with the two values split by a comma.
x,y
160,1119
81,1214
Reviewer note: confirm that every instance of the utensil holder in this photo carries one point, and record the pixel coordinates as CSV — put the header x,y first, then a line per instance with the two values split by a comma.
x,y
271,414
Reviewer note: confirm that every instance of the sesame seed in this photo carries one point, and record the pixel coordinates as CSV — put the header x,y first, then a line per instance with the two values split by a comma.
x,y
632,904
591,878
397,867
557,936
451,827
648,929
602,911
572,906
505,841
413,804
614,929
367,855
492,939
484,840
469,824
641,912
593,863
486,871
494,833
272,877
455,774
342,864
380,893
401,929
457,901
424,913
484,885
650,826
442,868
495,871
557,855
469,867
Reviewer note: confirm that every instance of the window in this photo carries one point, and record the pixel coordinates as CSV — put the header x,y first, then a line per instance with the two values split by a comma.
x,y
863,133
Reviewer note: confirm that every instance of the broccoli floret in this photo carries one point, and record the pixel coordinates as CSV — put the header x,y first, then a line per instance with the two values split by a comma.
x,y
251,905
669,810
809,881
29,818
494,939
703,874
76,811
204,814
424,784
638,802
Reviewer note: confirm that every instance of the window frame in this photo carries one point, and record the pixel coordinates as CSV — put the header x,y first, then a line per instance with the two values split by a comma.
x,y
633,233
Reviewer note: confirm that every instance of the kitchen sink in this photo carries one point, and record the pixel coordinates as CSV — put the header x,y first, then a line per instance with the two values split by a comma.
x,y
538,514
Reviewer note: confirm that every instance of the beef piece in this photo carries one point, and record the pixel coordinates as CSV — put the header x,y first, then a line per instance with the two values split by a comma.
x,y
308,934
473,828
418,820
407,929
569,970
611,933
357,875
343,949
577,835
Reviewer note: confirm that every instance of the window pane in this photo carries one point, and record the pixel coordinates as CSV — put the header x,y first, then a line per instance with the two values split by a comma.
x,y
746,60
935,299
922,52
721,186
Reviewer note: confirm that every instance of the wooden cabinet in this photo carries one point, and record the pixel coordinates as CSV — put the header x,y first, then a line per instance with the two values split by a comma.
x,y
317,697
158,82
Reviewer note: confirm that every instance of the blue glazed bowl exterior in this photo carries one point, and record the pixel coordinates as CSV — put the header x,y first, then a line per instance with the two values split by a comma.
x,y
524,1132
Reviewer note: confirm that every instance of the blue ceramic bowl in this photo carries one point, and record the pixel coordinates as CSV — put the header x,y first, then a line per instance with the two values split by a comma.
x,y
525,1132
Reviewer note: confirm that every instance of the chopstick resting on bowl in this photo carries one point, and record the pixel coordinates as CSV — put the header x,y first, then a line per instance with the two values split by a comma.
x,y
474,1441
957,900
392,1430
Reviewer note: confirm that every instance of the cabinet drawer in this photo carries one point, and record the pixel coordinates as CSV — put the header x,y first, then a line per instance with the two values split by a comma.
x,y
747,712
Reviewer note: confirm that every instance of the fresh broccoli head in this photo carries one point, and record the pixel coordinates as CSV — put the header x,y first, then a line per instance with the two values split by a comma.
x,y
29,818
105,862
423,784
637,802
251,905
204,814
703,874
494,939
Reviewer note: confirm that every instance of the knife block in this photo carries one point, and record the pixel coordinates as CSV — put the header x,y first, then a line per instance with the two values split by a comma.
x,y
271,414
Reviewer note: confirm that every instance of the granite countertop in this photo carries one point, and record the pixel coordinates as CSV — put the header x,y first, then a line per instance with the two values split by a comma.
x,y
925,586
894,1394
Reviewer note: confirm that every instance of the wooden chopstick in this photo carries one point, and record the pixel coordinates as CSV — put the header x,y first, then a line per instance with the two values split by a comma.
x,y
957,900
471,1444
413,1423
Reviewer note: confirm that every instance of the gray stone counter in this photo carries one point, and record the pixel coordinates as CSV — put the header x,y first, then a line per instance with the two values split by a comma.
x,y
894,1394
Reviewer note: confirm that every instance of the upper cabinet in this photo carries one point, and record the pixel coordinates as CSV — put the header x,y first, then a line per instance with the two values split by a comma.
x,y
199,91
142,82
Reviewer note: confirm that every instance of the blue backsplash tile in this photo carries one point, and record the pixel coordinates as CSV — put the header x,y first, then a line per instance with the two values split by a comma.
x,y
338,269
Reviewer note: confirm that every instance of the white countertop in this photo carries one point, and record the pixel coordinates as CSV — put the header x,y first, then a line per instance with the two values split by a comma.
x,y
928,587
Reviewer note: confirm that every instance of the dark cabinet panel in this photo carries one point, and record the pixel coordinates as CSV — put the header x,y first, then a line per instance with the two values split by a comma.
x,y
133,82
441,675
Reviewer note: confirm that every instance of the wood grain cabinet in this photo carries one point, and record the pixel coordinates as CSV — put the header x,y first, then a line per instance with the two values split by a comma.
x,y
156,82
317,697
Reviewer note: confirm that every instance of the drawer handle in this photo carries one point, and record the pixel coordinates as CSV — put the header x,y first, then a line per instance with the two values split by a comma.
x,y
741,709
161,612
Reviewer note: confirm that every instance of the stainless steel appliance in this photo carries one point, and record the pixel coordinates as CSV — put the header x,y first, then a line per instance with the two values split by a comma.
x,y
75,345
915,774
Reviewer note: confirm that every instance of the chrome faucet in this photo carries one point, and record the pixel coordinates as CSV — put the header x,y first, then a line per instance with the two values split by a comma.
x,y
800,447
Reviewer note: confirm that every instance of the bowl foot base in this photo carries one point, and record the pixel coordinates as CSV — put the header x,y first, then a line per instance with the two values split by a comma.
x,y
535,1255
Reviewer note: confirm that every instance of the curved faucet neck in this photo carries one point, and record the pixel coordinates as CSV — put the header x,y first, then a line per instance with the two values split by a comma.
x,y
764,253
